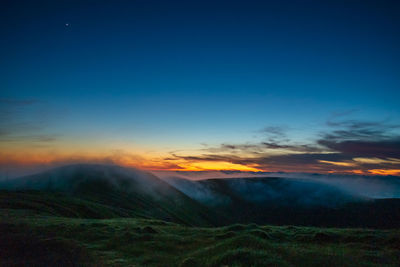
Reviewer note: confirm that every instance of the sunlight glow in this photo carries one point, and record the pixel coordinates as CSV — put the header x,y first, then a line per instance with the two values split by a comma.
x,y
385,171
337,163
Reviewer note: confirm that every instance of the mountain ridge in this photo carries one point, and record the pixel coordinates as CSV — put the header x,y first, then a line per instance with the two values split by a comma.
x,y
129,189
211,202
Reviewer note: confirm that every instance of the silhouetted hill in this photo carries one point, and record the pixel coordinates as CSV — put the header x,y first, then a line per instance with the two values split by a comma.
x,y
290,201
102,191
132,192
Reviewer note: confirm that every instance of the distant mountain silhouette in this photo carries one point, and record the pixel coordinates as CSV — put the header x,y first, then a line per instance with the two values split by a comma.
x,y
290,201
133,191
106,191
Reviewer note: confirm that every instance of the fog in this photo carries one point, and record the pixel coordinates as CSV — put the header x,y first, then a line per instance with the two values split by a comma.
x,y
364,186
226,188
71,177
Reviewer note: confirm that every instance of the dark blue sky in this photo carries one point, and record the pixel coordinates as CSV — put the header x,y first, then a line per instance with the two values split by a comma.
x,y
165,75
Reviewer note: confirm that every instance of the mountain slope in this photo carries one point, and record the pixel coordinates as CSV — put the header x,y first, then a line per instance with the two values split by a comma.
x,y
100,191
132,191
290,201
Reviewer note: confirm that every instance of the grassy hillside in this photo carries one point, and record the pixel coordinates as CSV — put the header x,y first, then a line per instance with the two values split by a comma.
x,y
59,204
50,240
101,191
282,201
87,219
128,192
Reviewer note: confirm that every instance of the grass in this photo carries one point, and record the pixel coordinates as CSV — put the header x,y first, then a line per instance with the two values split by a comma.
x,y
48,229
51,240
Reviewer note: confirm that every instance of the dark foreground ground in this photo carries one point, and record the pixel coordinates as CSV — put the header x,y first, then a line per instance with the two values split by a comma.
x,y
29,239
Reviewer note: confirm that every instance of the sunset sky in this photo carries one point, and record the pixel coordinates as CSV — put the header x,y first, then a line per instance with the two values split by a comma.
x,y
293,86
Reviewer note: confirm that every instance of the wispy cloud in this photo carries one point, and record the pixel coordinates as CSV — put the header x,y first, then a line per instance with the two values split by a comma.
x,y
348,146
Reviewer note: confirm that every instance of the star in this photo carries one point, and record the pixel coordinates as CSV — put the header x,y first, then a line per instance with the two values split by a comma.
x,y
66,24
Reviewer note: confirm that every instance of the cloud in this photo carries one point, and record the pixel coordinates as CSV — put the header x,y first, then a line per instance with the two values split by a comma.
x,y
235,148
293,148
263,146
363,139
275,133
357,148
349,146
274,130
360,130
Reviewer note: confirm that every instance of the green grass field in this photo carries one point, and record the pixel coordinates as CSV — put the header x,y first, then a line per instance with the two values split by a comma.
x,y
27,238
101,223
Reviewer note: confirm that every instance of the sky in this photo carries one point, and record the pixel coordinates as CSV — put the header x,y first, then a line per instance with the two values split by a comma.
x,y
291,86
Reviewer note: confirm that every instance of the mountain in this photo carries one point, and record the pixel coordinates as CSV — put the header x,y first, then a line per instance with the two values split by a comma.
x,y
105,191
126,192
290,201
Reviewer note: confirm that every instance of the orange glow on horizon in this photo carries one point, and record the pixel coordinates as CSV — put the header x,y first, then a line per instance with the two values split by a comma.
x,y
122,159
215,166
360,172
385,171
161,162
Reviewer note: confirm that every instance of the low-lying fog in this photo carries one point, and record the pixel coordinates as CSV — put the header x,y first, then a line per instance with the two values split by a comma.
x,y
367,186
